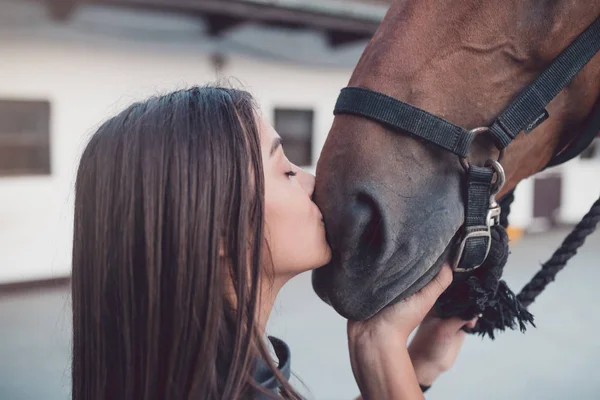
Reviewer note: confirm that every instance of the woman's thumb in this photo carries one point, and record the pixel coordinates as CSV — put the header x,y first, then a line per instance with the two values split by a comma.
x,y
441,281
436,287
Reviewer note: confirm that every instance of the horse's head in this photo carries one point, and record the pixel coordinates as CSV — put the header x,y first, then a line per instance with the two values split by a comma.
x,y
393,205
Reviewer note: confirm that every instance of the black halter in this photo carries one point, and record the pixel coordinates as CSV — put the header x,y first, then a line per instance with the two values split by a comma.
x,y
525,113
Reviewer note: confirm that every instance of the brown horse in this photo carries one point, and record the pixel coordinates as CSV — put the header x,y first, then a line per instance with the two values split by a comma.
x,y
393,205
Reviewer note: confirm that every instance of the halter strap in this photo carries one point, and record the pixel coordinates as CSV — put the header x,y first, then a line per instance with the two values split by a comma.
x,y
403,116
529,106
526,112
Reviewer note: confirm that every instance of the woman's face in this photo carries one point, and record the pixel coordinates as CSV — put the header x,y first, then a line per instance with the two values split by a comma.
x,y
294,227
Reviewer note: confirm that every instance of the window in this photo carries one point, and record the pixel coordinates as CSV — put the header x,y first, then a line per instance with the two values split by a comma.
x,y
296,129
24,137
593,151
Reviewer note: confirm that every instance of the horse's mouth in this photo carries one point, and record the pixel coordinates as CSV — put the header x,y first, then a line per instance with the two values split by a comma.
x,y
357,297
445,258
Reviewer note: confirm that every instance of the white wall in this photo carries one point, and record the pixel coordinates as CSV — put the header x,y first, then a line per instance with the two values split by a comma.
x,y
87,78
580,188
521,211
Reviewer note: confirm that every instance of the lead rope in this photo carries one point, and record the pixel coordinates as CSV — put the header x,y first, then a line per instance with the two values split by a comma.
x,y
561,256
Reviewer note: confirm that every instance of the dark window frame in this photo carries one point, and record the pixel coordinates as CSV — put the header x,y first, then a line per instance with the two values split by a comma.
x,y
297,145
25,137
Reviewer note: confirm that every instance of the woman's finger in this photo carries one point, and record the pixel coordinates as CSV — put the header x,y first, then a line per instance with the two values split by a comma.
x,y
429,294
471,324
443,279
456,325
452,324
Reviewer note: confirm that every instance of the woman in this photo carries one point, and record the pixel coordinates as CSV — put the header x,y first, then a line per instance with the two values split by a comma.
x,y
188,221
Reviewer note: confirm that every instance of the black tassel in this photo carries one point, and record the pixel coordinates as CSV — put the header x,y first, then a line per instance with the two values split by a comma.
x,y
482,293
503,311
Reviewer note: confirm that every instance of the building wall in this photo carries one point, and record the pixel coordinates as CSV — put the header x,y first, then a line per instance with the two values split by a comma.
x,y
521,211
580,188
87,78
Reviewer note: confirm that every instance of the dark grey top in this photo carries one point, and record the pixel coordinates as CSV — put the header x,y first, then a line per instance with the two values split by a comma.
x,y
264,376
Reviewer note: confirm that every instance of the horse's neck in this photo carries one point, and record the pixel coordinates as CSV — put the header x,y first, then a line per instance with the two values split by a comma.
x,y
569,111
466,60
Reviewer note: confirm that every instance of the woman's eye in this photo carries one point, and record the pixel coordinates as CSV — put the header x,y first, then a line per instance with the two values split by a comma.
x,y
291,173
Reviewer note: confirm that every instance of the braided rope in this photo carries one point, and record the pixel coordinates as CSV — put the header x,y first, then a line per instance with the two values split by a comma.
x,y
561,256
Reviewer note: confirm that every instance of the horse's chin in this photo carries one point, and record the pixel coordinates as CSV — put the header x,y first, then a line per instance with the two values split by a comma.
x,y
444,258
358,296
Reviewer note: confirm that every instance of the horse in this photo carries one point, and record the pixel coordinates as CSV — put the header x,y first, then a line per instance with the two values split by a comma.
x,y
393,204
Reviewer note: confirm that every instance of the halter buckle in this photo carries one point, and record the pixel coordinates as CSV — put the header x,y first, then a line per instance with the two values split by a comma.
x,y
492,219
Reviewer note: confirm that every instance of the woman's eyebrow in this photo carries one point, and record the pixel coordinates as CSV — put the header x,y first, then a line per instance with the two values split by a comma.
x,y
276,143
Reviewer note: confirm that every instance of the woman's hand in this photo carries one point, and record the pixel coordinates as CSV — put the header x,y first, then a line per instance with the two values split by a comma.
x,y
380,360
399,320
434,348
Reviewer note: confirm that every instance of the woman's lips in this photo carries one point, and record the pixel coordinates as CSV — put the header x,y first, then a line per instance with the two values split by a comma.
x,y
319,213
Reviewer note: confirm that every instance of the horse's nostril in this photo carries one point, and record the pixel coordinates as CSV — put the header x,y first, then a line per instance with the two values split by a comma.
x,y
368,231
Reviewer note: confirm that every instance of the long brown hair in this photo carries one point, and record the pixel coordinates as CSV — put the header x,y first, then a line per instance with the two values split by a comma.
x,y
167,250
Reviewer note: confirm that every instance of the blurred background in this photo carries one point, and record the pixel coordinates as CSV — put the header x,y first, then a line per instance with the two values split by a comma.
x,y
66,65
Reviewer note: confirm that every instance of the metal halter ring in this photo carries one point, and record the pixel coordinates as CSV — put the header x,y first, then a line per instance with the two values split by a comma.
x,y
477,131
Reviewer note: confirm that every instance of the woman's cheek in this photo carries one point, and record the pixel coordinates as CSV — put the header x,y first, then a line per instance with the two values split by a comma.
x,y
277,215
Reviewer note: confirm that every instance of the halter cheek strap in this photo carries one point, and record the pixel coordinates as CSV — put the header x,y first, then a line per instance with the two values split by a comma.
x,y
525,113
480,216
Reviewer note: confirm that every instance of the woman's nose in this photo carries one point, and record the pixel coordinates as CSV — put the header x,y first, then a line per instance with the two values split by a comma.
x,y
307,181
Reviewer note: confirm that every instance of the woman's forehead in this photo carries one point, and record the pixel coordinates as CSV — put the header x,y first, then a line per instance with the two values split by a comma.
x,y
267,135
267,132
